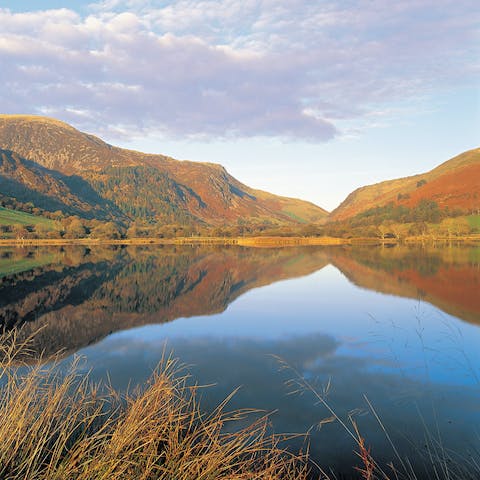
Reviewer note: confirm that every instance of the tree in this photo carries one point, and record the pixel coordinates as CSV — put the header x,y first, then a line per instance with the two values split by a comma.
x,y
57,215
133,231
455,226
309,230
139,229
420,228
427,211
56,233
384,229
19,231
75,229
108,230
42,230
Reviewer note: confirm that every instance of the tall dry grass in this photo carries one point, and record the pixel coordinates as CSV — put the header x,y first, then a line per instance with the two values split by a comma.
x,y
57,424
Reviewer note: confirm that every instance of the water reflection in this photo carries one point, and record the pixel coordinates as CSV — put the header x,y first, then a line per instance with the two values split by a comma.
x,y
447,277
405,404
397,324
76,296
79,295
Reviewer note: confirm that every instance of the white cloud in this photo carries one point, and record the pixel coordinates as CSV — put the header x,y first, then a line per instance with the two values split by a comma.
x,y
219,68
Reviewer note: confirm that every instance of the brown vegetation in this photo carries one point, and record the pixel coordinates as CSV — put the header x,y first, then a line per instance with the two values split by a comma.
x,y
57,425
452,185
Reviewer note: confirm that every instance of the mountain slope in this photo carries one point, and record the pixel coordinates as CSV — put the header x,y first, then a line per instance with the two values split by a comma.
x,y
453,184
140,185
27,181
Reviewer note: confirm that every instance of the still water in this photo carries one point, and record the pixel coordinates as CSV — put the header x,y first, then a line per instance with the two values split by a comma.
x,y
398,328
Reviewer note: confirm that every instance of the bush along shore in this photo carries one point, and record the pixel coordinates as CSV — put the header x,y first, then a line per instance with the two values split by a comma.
x,y
264,241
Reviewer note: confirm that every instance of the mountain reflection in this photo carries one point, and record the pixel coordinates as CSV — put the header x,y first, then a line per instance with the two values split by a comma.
x,y
74,296
446,277
79,296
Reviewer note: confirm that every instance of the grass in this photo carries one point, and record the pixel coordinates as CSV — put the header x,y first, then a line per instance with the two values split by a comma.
x,y
16,217
56,425
474,221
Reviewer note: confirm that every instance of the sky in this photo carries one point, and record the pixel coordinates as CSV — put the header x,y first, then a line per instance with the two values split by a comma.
x,y
303,98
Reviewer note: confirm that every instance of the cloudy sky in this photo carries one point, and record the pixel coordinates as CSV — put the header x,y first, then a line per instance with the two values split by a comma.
x,y
307,98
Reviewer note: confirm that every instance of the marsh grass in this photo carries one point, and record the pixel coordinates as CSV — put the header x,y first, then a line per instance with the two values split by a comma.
x,y
433,462
57,424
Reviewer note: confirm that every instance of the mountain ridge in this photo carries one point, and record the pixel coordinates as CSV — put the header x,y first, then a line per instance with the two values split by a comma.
x,y
452,184
186,191
57,163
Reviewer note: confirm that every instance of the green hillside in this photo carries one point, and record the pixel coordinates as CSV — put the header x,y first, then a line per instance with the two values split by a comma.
x,y
14,217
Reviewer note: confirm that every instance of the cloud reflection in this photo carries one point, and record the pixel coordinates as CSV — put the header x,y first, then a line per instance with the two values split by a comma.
x,y
249,364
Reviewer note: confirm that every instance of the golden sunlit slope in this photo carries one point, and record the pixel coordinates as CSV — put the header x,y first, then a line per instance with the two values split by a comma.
x,y
453,184
150,186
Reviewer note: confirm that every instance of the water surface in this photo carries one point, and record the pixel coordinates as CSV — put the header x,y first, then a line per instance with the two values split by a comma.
x,y
399,325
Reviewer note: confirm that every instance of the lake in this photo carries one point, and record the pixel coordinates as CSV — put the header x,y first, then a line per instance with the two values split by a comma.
x,y
392,332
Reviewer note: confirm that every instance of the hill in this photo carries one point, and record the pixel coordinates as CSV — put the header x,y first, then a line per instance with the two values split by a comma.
x,y
96,180
453,185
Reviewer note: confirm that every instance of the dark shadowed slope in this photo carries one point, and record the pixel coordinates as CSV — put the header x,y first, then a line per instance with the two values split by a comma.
x,y
49,190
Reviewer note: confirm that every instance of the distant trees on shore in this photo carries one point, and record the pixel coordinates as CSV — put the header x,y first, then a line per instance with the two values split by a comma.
x,y
387,221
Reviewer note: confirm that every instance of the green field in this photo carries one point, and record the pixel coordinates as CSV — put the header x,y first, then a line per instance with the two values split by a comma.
x,y
474,221
15,217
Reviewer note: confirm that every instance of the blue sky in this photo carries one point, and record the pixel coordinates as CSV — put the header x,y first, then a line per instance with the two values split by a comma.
x,y
306,99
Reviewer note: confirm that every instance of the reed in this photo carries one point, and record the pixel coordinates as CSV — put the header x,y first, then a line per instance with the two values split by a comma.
x,y
57,424
434,462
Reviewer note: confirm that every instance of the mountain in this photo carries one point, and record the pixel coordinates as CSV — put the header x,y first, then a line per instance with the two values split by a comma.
x,y
93,179
454,184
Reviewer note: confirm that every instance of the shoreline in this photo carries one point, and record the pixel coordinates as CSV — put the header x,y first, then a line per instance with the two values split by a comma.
x,y
257,241
241,241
